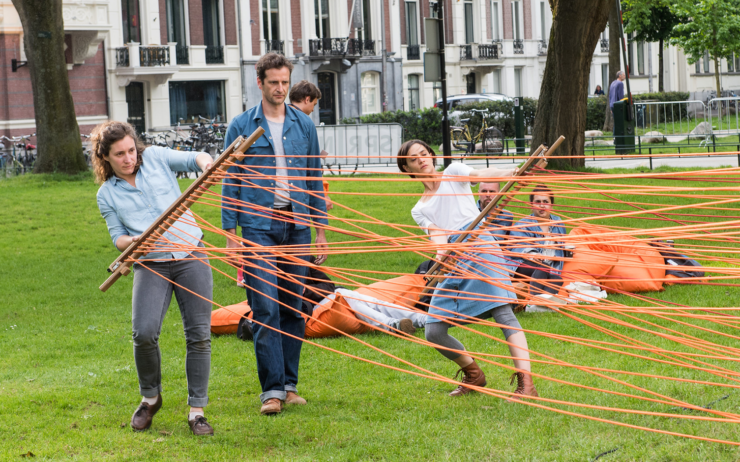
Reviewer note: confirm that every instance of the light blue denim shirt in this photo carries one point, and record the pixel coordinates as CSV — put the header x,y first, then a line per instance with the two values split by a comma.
x,y
248,198
130,211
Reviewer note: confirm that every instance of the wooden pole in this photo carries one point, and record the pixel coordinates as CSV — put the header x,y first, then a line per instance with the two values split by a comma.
x,y
122,265
537,159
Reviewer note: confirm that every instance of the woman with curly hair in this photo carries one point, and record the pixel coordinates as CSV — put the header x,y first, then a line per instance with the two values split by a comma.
x,y
137,185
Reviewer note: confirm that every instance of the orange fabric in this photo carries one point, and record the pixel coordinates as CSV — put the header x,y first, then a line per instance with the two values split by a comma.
x,y
226,320
633,266
334,314
403,290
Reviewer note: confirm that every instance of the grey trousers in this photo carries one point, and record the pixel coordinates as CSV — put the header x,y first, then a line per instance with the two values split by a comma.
x,y
151,298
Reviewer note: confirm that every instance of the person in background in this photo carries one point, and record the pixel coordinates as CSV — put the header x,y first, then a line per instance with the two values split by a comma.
x,y
599,91
502,224
616,90
137,186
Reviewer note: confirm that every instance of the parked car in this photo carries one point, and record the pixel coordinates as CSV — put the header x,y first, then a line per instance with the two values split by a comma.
x,y
456,104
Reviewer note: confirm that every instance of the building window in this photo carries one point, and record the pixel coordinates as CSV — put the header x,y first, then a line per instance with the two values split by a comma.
x,y
412,31
370,92
469,36
130,16
414,92
188,100
433,9
175,22
730,64
496,75
543,25
211,24
270,20
321,11
496,33
706,62
518,82
437,91
630,54
366,33
641,58
605,78
515,20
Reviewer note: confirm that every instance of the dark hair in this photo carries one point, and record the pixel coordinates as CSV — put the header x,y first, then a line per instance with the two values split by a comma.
x,y
302,90
271,61
403,153
541,190
102,137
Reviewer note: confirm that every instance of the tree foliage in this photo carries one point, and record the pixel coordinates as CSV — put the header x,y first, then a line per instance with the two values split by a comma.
x,y
707,26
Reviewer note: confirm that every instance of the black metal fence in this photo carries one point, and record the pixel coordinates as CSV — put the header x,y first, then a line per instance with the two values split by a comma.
x,y
154,56
519,47
413,53
182,54
214,55
275,46
122,57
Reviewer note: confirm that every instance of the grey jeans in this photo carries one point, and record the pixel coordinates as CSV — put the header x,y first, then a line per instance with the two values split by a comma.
x,y
151,298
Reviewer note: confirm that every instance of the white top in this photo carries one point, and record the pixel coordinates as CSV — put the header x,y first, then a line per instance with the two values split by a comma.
x,y
452,206
282,188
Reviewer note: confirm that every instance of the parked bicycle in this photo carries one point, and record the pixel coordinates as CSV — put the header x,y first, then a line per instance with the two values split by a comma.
x,y
490,138
22,154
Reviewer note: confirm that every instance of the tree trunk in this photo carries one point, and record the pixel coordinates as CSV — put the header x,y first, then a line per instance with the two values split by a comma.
x,y
57,133
561,110
661,88
614,48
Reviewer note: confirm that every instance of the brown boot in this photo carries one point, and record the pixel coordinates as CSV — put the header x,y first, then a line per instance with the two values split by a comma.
x,y
472,375
525,386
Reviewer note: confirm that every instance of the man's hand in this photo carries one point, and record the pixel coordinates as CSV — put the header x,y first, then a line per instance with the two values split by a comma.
x,y
232,244
204,161
321,246
123,242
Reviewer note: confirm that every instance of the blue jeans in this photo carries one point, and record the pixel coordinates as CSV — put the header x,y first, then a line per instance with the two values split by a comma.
x,y
277,355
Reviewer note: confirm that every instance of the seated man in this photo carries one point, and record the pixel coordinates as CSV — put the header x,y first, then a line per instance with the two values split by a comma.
x,y
542,254
502,224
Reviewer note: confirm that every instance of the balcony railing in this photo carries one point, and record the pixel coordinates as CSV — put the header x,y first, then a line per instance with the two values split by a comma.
x,y
489,51
327,47
518,47
542,49
412,53
275,46
122,57
214,55
181,54
466,52
360,47
605,45
154,56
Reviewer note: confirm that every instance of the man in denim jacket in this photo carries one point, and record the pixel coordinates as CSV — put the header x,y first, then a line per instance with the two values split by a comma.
x,y
275,194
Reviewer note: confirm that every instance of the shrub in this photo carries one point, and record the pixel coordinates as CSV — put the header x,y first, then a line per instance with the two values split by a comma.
x,y
423,124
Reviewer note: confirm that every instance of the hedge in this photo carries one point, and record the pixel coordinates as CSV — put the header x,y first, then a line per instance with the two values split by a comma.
x,y
426,124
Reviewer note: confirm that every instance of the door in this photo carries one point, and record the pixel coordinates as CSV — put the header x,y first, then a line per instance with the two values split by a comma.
x,y
470,83
327,113
135,101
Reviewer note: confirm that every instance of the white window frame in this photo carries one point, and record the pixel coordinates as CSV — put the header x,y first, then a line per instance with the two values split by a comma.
x,y
496,14
269,20
376,87
408,23
419,79
517,26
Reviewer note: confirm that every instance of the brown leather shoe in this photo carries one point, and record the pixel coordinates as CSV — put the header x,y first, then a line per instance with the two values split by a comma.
x,y
472,375
525,386
293,398
199,426
406,326
271,406
142,418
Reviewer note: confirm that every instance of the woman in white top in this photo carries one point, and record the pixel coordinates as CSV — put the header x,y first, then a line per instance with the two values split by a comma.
x,y
478,285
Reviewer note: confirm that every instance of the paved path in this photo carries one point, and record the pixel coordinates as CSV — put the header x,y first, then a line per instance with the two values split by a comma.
x,y
632,161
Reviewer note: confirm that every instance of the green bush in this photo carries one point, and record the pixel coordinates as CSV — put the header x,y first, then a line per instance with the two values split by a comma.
x,y
422,124
595,112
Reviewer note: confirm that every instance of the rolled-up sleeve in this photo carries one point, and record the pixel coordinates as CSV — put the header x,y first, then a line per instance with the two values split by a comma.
x,y
317,198
180,161
230,189
115,227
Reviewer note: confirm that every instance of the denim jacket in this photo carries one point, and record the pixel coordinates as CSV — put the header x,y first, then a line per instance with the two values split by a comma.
x,y
501,224
532,230
256,182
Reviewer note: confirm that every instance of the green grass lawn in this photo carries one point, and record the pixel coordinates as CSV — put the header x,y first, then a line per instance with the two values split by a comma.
x,y
68,383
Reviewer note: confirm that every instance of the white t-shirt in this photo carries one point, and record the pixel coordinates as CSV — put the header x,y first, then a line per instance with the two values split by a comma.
x,y
452,206
282,188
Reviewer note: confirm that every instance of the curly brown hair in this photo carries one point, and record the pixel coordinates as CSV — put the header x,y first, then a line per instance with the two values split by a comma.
x,y
102,137
271,61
